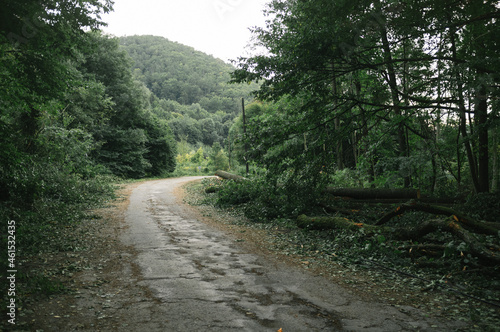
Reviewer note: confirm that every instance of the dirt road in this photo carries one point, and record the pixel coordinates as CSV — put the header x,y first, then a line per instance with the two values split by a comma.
x,y
157,267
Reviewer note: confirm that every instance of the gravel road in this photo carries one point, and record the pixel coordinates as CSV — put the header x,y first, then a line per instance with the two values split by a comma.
x,y
202,279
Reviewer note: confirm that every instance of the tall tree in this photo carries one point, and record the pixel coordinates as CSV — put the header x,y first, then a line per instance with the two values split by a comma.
x,y
391,62
39,39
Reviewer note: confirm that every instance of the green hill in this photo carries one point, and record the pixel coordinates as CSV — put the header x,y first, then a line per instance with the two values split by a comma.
x,y
178,72
189,88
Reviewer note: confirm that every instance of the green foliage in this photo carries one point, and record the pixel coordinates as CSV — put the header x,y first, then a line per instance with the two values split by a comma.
x,y
123,152
483,206
263,201
358,84
218,159
135,142
189,88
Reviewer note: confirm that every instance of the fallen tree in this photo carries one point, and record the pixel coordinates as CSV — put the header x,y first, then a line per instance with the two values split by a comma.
x,y
483,227
230,176
226,176
487,254
374,193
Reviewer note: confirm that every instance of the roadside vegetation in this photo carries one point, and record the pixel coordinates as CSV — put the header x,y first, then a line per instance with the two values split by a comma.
x,y
359,98
435,272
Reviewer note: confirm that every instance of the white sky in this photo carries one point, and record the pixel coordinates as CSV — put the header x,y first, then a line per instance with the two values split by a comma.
x,y
216,27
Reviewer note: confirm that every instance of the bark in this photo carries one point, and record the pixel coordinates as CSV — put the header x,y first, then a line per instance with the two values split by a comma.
x,y
245,135
393,85
488,228
462,113
495,164
229,176
482,129
374,193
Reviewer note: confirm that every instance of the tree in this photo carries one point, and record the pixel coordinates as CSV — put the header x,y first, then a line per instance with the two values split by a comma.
x,y
351,68
135,142
39,40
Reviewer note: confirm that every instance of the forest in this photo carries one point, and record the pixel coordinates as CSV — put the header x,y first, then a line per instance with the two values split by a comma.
x,y
190,91
397,102
82,111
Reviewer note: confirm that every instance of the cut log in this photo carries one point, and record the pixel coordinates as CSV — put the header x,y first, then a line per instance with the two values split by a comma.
x,y
374,193
229,176
483,227
324,223
449,225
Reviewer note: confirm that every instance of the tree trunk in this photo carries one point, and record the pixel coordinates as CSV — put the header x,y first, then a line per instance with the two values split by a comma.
x,y
374,193
488,228
495,165
338,143
393,85
229,176
245,135
463,120
481,116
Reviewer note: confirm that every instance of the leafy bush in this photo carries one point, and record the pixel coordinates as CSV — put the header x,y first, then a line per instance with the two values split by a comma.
x,y
265,198
44,195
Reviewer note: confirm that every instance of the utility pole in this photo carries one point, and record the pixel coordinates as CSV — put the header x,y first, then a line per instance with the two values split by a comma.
x,y
245,134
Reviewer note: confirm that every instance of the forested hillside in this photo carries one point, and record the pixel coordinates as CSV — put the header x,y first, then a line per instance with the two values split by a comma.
x,y
190,88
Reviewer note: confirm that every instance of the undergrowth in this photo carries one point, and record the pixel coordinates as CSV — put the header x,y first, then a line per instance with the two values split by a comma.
x,y
47,223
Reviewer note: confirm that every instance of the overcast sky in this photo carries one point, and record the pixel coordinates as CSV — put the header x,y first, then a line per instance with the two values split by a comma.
x,y
216,27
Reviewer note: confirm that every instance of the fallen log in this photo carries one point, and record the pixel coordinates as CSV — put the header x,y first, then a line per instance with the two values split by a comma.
x,y
450,225
325,223
483,227
230,176
374,193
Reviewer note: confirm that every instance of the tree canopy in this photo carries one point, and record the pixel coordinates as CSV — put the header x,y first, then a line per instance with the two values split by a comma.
x,y
404,88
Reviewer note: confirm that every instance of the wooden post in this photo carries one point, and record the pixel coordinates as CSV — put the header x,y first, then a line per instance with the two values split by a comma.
x,y
245,135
